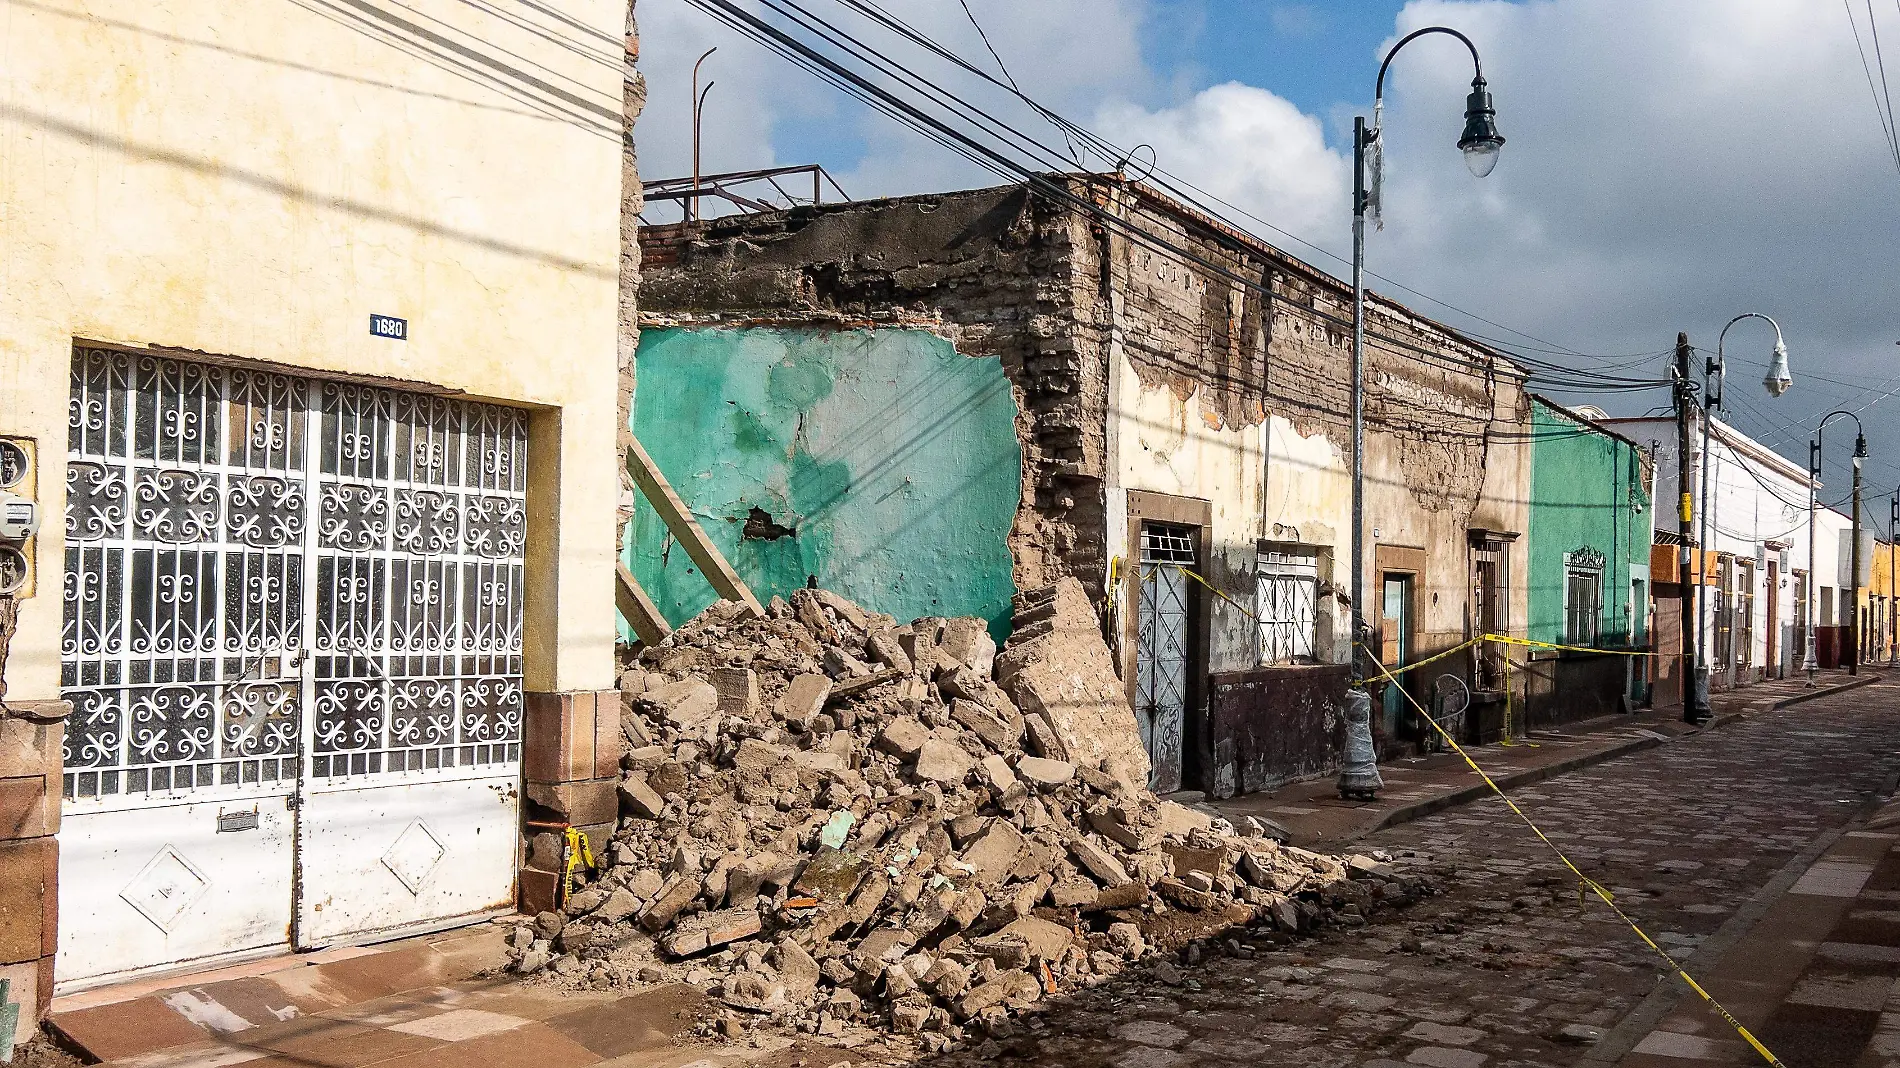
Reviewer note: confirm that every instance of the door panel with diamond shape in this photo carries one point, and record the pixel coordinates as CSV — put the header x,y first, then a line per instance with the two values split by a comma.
x,y
282,593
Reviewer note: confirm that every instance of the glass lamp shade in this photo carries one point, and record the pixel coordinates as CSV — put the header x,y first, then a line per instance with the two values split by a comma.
x,y
1481,140
1778,379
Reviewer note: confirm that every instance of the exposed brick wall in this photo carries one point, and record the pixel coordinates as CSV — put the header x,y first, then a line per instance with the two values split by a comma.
x,y
1048,289
990,270
633,101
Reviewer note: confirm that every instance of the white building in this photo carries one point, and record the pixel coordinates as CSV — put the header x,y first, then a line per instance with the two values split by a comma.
x,y
1757,574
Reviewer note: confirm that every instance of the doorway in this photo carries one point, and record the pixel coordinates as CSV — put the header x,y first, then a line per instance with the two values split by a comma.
x,y
293,645
1162,651
1396,643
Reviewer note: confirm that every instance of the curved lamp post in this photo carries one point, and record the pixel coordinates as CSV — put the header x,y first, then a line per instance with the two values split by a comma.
x,y
1480,143
1714,377
1814,485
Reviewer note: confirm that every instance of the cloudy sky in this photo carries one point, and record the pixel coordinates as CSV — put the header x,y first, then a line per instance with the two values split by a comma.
x,y
1671,163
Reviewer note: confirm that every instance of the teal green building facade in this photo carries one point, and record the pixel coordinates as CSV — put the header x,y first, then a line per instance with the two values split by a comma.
x,y
1590,518
881,464
1591,522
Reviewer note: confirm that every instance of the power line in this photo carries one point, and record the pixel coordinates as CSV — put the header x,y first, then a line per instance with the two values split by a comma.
x,y
1884,115
1174,184
996,161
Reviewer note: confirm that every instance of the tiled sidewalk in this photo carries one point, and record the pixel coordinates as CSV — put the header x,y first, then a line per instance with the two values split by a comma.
x,y
1816,978
426,1002
1316,817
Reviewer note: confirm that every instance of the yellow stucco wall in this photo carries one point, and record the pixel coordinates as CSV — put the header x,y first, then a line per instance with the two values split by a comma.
x,y
255,179
1166,444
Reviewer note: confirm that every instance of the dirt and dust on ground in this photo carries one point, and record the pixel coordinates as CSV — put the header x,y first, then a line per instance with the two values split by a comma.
x,y
896,835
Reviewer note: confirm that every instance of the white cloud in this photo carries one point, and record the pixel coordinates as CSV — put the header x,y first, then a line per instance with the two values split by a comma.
x,y
1246,146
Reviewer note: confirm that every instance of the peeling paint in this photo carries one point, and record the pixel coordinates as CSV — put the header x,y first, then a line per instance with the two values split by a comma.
x,y
880,464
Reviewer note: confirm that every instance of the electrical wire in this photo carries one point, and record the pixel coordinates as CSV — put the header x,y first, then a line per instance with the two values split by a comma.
x,y
986,156
1885,116
1176,186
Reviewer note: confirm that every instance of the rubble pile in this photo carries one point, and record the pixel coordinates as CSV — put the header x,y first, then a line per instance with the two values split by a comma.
x,y
828,817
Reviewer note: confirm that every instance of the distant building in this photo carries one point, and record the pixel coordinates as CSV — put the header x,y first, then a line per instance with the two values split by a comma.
x,y
1755,575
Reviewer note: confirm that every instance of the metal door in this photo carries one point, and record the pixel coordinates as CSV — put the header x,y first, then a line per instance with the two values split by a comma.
x,y
1161,650
209,555
410,795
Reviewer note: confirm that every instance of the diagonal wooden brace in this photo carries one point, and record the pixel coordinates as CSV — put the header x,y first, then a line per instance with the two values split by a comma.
x,y
686,530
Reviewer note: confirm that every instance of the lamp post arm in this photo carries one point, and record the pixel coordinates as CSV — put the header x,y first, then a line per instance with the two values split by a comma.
x,y
1739,318
1378,93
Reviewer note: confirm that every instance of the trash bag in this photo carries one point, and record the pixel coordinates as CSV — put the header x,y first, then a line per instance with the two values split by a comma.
x,y
1359,772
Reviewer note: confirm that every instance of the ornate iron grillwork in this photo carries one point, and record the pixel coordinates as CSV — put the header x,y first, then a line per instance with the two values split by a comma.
x,y
223,524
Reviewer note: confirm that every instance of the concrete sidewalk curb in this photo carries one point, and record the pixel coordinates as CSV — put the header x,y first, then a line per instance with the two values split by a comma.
x,y
1465,795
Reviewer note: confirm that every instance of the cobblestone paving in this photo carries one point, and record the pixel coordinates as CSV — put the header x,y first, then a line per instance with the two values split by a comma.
x,y
1493,972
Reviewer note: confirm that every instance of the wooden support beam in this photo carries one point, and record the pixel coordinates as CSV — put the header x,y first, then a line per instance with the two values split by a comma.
x,y
638,609
658,492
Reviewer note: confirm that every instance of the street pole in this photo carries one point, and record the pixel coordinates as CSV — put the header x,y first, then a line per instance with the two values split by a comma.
x,y
1685,465
1714,377
1814,571
1814,485
1853,599
1358,397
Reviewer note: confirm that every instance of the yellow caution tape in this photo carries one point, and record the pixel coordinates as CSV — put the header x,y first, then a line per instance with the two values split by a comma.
x,y
577,852
1584,882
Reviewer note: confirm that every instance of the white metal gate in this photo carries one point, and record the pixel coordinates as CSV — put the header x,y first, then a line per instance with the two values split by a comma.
x,y
1161,650
293,647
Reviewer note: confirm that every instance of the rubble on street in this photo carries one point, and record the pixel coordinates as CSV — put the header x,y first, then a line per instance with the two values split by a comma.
x,y
832,819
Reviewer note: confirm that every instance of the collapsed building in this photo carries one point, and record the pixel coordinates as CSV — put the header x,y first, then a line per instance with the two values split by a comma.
x,y
928,403
829,819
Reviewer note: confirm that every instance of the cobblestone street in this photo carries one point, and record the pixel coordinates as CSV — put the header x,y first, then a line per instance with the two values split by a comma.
x,y
1504,968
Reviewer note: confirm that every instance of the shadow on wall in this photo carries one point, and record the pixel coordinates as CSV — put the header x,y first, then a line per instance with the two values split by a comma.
x,y
881,464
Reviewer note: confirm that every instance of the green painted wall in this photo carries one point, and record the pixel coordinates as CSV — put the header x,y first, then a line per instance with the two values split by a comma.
x,y
1587,492
882,463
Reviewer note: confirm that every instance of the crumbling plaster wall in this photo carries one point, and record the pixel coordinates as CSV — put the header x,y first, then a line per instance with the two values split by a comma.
x,y
1217,394
987,270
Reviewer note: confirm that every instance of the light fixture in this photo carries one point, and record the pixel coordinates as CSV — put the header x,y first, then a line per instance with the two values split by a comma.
x,y
1481,141
1778,379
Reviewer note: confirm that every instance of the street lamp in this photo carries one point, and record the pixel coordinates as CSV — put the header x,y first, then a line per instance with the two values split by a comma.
x,y
1814,486
1893,605
1714,378
1480,143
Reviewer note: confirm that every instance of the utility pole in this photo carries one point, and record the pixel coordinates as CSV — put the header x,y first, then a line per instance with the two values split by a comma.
x,y
1687,568
1853,600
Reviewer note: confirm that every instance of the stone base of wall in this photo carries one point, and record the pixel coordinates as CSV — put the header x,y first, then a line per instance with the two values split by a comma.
x,y
31,733
1269,726
1572,687
570,769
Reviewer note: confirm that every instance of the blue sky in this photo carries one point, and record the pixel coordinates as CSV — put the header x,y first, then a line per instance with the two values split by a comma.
x,y
1316,55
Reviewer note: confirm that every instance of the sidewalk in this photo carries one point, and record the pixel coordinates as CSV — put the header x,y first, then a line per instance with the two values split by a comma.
x,y
1811,968
436,1001
1316,817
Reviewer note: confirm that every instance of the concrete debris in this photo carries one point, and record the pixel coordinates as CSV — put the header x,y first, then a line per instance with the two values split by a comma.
x,y
827,817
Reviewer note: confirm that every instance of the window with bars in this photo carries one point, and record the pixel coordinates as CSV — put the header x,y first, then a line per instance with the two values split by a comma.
x,y
1583,605
1162,544
1286,600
